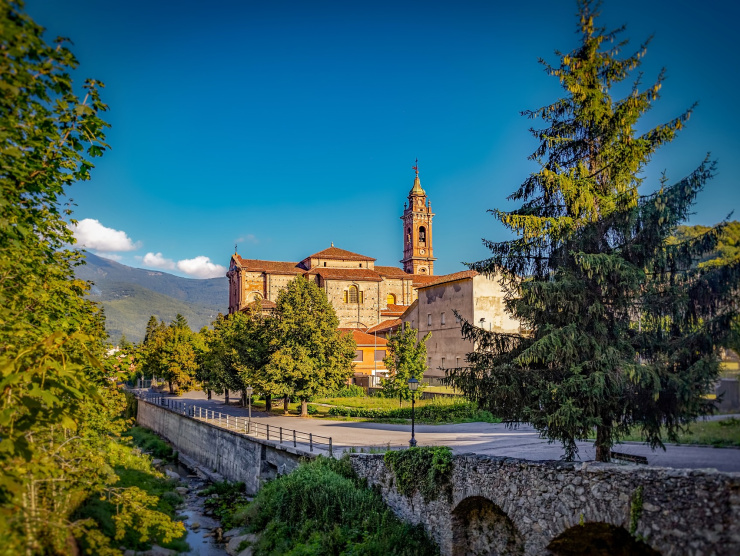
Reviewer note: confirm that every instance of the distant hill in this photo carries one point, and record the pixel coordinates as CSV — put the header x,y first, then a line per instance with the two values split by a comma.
x,y
131,295
728,248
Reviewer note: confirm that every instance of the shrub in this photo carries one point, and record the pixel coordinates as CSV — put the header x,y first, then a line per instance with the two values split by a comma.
x,y
324,508
148,441
435,412
424,469
349,391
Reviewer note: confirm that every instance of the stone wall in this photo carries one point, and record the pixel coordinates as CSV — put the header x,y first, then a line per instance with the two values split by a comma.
x,y
236,457
509,506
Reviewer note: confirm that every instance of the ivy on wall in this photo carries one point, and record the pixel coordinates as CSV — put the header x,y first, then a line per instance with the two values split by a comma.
x,y
423,469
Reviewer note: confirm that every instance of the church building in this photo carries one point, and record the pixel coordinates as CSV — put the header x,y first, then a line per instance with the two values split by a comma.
x,y
363,294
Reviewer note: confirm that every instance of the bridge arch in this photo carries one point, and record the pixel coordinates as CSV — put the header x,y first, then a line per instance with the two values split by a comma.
x,y
598,539
480,527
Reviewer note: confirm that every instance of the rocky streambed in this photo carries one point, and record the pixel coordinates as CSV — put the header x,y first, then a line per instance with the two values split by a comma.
x,y
205,534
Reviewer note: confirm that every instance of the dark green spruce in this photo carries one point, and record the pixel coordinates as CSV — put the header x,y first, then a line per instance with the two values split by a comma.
x,y
620,327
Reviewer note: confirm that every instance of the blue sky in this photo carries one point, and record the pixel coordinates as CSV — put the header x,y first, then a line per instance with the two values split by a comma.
x,y
284,126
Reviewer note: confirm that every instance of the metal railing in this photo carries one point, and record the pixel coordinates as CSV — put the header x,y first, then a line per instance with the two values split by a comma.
x,y
238,424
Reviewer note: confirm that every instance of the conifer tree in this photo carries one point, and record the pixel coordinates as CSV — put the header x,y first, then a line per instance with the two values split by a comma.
x,y
622,326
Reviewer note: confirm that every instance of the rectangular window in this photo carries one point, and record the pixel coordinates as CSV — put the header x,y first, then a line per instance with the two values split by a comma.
x,y
358,356
443,361
458,319
457,362
362,297
379,354
429,362
442,320
345,296
429,319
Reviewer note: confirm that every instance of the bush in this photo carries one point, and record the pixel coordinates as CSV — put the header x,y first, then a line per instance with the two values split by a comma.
x,y
312,409
460,410
323,508
424,469
349,391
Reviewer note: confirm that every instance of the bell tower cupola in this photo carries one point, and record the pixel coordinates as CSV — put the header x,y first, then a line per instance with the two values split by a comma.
x,y
418,256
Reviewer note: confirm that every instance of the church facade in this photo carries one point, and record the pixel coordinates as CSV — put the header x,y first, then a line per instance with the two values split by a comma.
x,y
363,294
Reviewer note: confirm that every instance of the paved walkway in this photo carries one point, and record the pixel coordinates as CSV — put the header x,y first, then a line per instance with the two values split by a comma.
x,y
481,438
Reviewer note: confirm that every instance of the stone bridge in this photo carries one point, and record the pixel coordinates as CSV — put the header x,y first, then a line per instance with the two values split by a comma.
x,y
510,506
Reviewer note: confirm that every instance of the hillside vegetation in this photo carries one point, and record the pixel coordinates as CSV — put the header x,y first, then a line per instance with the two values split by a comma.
x,y
131,295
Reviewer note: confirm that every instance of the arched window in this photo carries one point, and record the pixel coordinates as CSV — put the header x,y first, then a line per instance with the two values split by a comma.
x,y
408,235
422,270
422,234
353,297
391,299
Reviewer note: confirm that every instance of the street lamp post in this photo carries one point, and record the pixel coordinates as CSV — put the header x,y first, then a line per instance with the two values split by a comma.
x,y
249,403
413,385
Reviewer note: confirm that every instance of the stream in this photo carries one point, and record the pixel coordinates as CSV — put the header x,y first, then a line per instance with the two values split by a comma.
x,y
200,527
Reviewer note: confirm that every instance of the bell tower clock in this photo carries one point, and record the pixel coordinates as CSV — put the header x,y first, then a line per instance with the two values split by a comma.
x,y
418,255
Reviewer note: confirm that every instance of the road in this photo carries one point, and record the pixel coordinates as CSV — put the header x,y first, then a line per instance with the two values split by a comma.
x,y
480,438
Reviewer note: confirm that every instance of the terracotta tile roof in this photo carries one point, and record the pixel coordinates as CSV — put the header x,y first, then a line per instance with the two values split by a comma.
x,y
273,267
451,278
393,310
364,339
392,272
341,254
385,326
265,303
359,274
420,280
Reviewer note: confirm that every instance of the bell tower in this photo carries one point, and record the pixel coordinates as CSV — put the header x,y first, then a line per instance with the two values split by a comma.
x,y
417,231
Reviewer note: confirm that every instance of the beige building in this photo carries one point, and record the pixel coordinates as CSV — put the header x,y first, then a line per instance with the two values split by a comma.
x,y
477,299
363,294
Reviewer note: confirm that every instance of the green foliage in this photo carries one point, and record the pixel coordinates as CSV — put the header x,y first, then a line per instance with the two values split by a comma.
x,y
231,497
423,469
435,412
309,356
622,326
171,353
235,353
406,358
349,391
323,508
150,442
635,510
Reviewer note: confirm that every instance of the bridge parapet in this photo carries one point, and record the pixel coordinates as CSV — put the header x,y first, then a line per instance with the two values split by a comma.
x,y
511,506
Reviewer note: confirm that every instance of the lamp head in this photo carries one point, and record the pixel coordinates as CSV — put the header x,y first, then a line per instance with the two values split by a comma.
x,y
249,391
413,384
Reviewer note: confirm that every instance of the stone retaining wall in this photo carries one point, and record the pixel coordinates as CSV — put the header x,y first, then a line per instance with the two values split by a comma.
x,y
510,506
234,456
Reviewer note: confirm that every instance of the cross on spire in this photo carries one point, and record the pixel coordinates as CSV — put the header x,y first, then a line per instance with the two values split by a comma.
x,y
415,167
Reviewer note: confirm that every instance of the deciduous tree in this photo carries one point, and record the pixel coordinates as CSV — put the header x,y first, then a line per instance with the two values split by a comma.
x,y
309,355
623,325
406,358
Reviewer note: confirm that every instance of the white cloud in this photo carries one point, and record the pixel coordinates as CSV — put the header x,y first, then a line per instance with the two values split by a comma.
x,y
201,267
156,260
91,234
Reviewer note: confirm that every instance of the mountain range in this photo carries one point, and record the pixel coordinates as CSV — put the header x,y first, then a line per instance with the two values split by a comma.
x,y
131,295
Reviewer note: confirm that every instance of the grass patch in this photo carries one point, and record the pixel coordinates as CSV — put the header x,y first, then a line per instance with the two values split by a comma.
x,y
324,508
720,434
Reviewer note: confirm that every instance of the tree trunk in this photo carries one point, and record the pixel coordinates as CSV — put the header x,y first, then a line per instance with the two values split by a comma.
x,y
286,401
603,443
169,383
209,393
244,398
226,396
304,408
268,402
400,400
